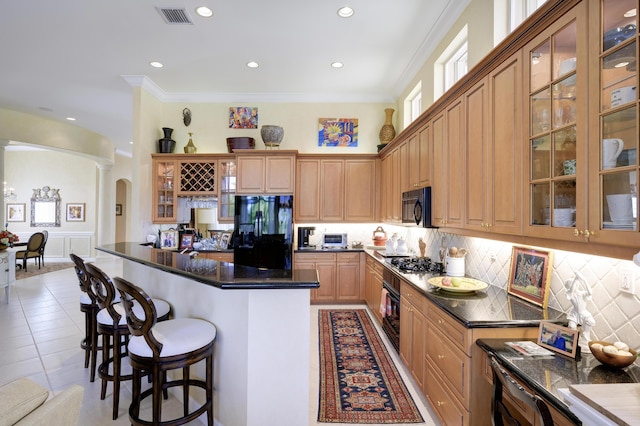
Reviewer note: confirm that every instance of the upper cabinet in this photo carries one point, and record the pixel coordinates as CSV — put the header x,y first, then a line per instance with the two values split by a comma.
x,y
336,189
227,172
164,191
556,163
613,115
269,172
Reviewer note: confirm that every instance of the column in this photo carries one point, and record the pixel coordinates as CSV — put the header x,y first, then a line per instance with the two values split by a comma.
x,y
105,225
3,145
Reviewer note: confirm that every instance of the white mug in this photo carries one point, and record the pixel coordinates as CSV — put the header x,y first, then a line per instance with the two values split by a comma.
x,y
564,217
620,208
611,149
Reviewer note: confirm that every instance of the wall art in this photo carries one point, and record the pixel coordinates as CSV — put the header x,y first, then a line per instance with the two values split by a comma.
x,y
75,212
118,209
530,274
15,212
338,132
243,117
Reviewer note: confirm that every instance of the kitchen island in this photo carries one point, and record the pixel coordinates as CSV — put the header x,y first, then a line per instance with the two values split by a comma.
x,y
261,362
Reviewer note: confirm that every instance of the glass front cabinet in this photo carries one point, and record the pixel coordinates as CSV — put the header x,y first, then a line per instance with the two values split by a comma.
x,y
555,126
613,123
227,190
164,190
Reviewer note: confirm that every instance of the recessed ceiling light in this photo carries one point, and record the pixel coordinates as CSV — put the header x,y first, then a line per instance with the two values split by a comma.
x,y
204,11
156,64
130,142
71,119
345,12
252,64
630,13
337,64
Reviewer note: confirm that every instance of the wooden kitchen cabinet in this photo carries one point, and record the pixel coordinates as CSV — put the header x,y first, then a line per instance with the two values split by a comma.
x,y
348,286
227,171
165,197
449,168
325,264
494,152
373,286
420,158
336,189
413,331
268,172
385,188
219,256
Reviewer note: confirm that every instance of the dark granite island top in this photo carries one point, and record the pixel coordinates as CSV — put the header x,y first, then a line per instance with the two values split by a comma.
x,y
262,356
546,374
223,275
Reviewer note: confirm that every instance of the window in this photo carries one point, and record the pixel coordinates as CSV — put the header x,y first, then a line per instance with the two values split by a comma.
x,y
519,10
413,104
451,65
455,67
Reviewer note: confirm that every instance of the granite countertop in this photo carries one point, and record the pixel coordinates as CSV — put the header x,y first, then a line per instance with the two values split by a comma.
x,y
224,275
545,375
318,249
493,307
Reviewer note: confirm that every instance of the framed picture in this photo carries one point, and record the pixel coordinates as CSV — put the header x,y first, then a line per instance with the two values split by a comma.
x,y
338,132
530,274
243,117
118,209
169,239
559,339
15,212
186,241
225,238
75,212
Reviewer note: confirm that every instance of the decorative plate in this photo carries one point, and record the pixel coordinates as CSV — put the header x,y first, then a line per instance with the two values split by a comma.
x,y
467,284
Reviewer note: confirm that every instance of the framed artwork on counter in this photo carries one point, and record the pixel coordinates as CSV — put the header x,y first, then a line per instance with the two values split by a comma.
x,y
186,241
562,340
169,239
530,275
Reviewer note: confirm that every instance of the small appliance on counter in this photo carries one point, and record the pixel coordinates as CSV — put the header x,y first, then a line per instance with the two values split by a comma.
x,y
334,241
304,232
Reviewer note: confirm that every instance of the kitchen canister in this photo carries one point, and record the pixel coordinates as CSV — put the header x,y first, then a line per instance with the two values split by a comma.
x,y
455,266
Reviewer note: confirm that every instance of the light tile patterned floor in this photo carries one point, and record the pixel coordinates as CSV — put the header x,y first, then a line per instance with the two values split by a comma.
x,y
41,329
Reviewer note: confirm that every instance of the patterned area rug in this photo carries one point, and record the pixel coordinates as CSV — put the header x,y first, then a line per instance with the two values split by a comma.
x,y
33,270
358,381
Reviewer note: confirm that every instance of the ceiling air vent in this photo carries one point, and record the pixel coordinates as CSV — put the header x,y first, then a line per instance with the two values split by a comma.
x,y
175,16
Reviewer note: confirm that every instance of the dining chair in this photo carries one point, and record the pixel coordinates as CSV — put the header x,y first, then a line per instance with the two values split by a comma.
x,y
32,251
504,383
44,243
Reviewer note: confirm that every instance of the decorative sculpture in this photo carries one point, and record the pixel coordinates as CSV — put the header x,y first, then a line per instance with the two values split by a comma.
x,y
579,295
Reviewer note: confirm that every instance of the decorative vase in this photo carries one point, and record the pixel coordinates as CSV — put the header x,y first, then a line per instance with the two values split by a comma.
x,y
271,135
166,145
387,132
190,148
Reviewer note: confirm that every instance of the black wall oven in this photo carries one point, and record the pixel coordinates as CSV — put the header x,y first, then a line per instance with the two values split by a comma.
x,y
391,319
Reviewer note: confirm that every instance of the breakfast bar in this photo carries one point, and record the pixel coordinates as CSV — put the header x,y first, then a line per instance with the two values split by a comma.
x,y
261,361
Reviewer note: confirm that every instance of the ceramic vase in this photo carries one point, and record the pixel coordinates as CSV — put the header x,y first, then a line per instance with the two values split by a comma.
x,y
166,145
387,132
190,148
271,135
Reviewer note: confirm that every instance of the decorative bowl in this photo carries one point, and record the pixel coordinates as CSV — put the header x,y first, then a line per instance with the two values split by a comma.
x,y
240,143
617,361
271,135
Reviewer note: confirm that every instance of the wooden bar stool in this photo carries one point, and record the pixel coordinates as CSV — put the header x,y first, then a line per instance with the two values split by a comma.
x,y
159,347
111,323
90,307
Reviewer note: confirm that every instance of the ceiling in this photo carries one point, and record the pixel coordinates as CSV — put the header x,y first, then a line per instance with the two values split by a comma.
x,y
67,58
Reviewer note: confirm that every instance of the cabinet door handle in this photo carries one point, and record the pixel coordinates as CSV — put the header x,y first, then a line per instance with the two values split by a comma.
x,y
440,356
440,403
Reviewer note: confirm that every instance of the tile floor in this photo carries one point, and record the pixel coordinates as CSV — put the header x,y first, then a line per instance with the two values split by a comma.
x,y
42,326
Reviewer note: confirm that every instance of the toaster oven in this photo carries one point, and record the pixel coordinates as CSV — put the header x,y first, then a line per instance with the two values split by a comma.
x,y
334,241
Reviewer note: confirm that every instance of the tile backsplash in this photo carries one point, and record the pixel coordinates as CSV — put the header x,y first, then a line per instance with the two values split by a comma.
x,y
617,314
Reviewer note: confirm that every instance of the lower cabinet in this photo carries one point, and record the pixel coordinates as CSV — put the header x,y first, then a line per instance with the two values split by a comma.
x,y
413,330
339,275
219,256
373,286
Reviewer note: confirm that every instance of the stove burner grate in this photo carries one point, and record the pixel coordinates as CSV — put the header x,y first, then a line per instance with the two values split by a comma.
x,y
417,265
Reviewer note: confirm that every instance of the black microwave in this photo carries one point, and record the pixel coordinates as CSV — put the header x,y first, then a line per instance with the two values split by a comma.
x,y
416,207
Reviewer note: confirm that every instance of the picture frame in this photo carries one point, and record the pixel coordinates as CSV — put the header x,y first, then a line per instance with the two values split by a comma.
x,y
225,239
243,117
186,241
338,132
16,212
75,212
557,338
118,209
530,275
169,239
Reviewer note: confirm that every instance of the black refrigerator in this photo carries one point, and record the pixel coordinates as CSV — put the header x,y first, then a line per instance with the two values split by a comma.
x,y
263,231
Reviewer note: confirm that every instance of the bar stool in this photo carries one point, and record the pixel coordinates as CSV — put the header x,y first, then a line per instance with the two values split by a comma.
x,y
111,322
90,307
159,347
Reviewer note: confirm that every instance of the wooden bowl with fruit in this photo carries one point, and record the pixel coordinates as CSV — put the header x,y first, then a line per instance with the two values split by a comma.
x,y
615,354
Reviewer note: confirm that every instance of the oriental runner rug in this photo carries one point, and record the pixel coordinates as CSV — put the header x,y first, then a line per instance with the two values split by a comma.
x,y
358,381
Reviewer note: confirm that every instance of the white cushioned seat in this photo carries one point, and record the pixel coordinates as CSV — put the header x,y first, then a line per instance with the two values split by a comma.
x,y
162,309
85,299
178,336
